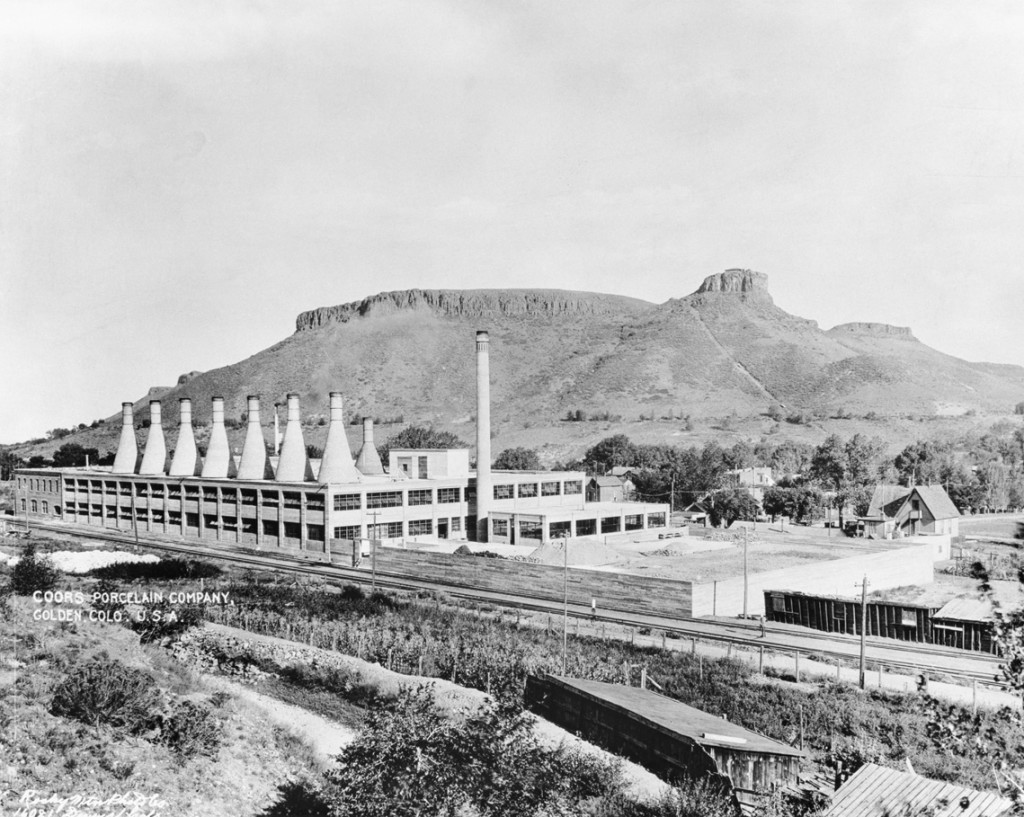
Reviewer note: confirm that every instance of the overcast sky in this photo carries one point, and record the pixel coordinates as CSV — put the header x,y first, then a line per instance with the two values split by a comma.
x,y
179,179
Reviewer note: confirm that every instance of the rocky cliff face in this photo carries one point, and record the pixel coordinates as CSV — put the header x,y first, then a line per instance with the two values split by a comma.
x,y
472,303
735,280
874,329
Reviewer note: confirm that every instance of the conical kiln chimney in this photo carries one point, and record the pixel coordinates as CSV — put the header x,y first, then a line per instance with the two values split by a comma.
x,y
368,461
254,463
337,464
218,462
185,462
293,464
154,459
126,460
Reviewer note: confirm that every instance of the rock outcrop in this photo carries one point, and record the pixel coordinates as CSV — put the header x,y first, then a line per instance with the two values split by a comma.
x,y
735,280
520,303
877,329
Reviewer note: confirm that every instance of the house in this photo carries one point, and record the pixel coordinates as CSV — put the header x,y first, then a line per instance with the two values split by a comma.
x,y
755,480
668,737
896,510
874,791
606,489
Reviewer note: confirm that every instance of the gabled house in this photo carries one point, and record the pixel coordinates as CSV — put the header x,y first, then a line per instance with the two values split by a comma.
x,y
754,480
896,510
606,489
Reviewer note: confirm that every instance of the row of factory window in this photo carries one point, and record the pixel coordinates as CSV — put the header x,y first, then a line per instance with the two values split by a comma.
x,y
529,489
396,530
42,484
38,506
532,529
394,499
227,496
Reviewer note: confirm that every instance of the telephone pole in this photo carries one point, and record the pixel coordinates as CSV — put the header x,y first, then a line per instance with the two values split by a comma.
x,y
373,555
744,573
863,627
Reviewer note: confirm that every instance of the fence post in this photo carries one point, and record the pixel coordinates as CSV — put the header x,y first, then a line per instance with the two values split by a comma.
x,y
693,645
760,660
974,696
419,665
663,641
839,668
632,636
796,662
879,676
728,650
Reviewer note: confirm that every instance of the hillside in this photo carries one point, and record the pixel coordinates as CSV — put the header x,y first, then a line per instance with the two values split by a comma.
x,y
726,349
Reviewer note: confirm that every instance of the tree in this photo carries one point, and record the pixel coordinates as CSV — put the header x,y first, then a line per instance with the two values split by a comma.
x,y
517,459
420,437
799,503
610,452
728,505
9,461
919,463
73,455
33,573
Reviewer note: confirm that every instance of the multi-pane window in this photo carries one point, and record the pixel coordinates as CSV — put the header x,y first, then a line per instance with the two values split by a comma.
x,y
35,506
908,618
350,532
560,530
655,520
384,499
346,502
388,530
634,522
423,468
292,530
447,495
550,489
530,530
503,491
421,527
292,499
315,532
420,497
500,527
527,489
46,506
573,487
456,524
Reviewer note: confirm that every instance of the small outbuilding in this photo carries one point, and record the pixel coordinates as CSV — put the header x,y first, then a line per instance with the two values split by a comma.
x,y
896,510
877,791
673,740
605,489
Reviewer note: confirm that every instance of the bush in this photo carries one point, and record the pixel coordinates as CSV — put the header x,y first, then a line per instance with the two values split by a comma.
x,y
164,570
191,729
159,621
102,691
33,573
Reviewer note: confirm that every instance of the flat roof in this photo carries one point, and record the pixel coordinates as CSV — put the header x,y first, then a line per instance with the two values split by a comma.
x,y
674,716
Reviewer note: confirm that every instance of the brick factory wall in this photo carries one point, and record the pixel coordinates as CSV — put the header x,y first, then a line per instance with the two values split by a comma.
x,y
628,593
837,577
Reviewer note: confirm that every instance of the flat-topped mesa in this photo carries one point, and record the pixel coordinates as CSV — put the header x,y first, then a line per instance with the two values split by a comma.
x,y
876,329
735,280
473,303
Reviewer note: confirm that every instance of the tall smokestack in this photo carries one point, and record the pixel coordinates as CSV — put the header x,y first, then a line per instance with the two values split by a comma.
x,y
484,489
368,461
186,461
293,465
337,464
277,430
254,463
126,461
154,460
219,463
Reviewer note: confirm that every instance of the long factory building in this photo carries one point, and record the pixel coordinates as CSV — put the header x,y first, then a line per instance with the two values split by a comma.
x,y
297,504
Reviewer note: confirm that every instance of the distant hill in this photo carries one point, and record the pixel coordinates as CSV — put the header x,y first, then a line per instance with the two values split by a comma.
x,y
726,349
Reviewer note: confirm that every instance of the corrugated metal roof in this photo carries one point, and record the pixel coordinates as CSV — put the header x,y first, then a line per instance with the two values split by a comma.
x,y
874,791
701,727
966,610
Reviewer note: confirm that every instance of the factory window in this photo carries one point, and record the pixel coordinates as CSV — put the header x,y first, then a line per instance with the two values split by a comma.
x,y
97,510
347,502
384,499
908,618
229,523
248,497
192,520
292,530
191,492
421,527
46,506
210,521
227,497
389,530
111,512
174,492
503,491
550,488
573,487
420,497
634,522
559,530
314,502
141,489
270,527
35,506
527,489
315,532
423,468
126,513
655,520
586,527
96,485
500,527
610,524
405,465
23,504
470,493
530,529
248,525
447,495
292,499
350,532
158,517
268,497
456,524
124,488
778,603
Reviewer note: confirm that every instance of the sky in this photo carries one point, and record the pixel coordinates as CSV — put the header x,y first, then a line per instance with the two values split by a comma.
x,y
179,180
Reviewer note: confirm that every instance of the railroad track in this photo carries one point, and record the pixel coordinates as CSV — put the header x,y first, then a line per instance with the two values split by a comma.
x,y
893,655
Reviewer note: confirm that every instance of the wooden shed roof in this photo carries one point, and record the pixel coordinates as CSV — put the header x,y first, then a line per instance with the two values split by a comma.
x,y
874,791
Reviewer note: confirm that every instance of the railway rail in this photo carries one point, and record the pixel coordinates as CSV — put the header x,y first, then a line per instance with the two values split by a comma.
x,y
892,655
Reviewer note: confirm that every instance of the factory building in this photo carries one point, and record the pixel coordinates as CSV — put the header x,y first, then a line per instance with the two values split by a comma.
x,y
298,505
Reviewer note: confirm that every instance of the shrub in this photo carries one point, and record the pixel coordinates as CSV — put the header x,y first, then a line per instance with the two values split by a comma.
x,y
159,621
164,570
352,592
191,729
33,573
102,691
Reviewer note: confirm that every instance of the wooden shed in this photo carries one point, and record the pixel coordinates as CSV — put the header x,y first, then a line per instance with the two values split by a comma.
x,y
668,737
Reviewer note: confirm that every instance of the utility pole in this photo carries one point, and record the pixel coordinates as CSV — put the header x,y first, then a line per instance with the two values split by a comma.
x,y
863,627
373,555
672,498
565,601
744,573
